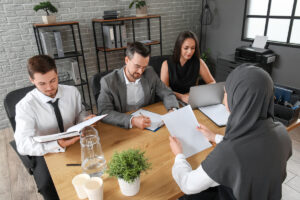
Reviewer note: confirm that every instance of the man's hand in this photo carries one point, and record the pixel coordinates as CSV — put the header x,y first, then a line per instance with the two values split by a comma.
x,y
140,122
207,133
67,142
89,117
175,145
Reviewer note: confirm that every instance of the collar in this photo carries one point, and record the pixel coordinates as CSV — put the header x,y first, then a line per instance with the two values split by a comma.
x,y
127,81
46,99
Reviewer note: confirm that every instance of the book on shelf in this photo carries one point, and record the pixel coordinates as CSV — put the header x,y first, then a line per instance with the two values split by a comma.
x,y
59,45
47,39
71,132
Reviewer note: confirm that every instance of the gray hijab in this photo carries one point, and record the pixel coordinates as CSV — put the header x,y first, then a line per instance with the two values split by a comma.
x,y
252,158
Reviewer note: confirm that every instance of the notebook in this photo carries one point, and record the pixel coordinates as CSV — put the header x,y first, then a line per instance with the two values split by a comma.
x,y
156,121
71,132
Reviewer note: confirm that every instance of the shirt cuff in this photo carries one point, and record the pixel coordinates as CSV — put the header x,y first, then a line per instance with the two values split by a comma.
x,y
130,124
179,157
218,138
54,147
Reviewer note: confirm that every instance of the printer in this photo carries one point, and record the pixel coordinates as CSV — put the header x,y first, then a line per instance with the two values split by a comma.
x,y
253,54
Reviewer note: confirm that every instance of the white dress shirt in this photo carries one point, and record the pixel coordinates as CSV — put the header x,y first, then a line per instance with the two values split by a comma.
x,y
192,181
36,117
135,93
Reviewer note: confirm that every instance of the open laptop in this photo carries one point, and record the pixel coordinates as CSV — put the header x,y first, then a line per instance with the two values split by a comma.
x,y
208,99
204,95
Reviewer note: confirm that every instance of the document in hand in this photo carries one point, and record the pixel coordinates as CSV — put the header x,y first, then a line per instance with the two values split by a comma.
x,y
71,132
156,121
216,113
182,124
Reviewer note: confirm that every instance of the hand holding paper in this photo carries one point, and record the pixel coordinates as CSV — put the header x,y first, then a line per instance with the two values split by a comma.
x,y
182,124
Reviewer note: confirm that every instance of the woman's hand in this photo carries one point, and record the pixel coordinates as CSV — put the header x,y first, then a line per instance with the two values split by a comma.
x,y
185,98
207,133
175,145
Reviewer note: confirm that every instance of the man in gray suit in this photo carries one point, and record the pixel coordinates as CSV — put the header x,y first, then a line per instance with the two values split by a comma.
x,y
132,87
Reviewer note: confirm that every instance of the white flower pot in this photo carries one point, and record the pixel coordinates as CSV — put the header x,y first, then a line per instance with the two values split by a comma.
x,y
129,189
141,12
51,19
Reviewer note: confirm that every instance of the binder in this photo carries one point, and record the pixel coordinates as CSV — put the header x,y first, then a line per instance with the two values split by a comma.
x,y
109,38
46,43
59,45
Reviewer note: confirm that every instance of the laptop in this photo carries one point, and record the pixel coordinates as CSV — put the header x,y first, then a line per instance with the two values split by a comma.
x,y
208,99
205,95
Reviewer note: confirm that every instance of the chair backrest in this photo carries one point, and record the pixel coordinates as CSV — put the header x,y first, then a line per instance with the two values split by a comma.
x,y
156,62
96,85
11,100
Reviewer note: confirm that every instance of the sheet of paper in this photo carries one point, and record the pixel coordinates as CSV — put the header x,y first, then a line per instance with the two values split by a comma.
x,y
182,124
83,124
155,118
217,113
260,41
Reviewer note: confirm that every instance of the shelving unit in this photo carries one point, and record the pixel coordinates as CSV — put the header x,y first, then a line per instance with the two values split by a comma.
x,y
77,53
122,20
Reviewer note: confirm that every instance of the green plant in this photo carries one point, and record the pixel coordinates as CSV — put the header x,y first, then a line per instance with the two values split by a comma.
x,y
138,3
46,6
128,165
204,55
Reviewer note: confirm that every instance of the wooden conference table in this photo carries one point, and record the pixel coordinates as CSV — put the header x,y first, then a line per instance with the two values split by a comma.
x,y
156,184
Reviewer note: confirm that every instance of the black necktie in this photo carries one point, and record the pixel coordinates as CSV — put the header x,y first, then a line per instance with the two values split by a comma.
x,y
58,115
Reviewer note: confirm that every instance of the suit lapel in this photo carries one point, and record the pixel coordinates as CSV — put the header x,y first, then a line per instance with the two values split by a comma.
x,y
122,90
146,89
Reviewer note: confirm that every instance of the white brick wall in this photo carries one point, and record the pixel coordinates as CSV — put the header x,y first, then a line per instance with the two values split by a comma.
x,y
17,42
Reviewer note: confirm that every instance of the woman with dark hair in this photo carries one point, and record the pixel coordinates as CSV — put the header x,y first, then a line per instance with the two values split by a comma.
x,y
181,71
249,162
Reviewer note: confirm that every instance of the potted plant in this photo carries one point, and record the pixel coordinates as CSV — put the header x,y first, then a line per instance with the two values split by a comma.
x,y
141,8
47,7
127,167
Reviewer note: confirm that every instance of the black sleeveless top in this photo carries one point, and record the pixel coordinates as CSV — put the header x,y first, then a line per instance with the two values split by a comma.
x,y
181,78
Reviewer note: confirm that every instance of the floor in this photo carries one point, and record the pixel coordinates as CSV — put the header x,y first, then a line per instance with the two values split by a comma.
x,y
17,184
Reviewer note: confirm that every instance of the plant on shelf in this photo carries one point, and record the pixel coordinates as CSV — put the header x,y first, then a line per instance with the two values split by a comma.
x,y
141,8
48,8
127,167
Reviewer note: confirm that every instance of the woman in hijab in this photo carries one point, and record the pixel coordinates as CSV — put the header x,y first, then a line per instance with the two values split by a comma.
x,y
182,70
249,162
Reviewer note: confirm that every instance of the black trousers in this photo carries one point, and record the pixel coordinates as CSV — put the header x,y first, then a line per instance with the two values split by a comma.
x,y
43,179
214,193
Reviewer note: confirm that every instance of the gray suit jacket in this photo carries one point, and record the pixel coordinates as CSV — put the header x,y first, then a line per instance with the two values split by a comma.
x,y
113,95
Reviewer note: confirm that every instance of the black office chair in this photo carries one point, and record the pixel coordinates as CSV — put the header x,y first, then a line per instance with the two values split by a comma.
x,y
156,62
96,85
10,102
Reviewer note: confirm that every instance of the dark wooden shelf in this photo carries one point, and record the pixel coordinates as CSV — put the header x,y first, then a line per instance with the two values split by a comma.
x,y
126,18
56,24
68,55
116,49
71,82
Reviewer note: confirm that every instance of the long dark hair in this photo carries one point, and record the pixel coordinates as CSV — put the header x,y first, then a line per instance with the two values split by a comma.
x,y
180,39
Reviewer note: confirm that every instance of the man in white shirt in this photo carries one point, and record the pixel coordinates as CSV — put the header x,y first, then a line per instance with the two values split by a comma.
x,y
133,86
48,109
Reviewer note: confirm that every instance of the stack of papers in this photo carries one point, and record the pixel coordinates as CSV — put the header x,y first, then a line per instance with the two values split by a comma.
x,y
183,124
71,132
156,121
216,113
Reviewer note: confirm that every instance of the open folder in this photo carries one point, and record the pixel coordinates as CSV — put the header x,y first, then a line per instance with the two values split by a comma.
x,y
216,113
183,124
156,121
71,132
